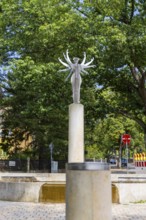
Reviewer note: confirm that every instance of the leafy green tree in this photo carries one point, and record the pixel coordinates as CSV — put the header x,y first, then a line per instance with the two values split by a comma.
x,y
30,106
34,35
118,31
105,139
114,102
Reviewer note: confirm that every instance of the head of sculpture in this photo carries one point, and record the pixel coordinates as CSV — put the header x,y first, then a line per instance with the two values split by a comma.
x,y
76,60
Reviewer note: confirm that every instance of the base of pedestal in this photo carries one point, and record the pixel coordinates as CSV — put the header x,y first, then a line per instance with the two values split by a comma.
x,y
88,191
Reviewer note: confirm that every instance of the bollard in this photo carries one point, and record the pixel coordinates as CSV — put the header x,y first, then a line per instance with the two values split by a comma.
x,y
88,191
54,166
28,164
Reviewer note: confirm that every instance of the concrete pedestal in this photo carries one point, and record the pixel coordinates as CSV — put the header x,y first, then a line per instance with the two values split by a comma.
x,y
76,133
88,191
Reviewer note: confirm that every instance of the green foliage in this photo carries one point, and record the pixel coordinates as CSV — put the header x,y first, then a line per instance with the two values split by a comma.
x,y
106,137
93,152
34,108
3,155
35,97
119,38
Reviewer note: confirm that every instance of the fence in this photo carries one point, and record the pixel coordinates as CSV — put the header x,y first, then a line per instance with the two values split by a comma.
x,y
34,165
24,165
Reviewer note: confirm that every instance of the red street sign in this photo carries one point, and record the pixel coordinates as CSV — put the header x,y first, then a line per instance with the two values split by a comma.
x,y
126,138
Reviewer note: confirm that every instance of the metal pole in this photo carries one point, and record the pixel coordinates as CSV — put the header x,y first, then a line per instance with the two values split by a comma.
x,y
120,156
51,146
127,154
120,153
28,164
51,155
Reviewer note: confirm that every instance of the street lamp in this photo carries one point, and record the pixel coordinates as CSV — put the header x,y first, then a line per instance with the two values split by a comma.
x,y
51,146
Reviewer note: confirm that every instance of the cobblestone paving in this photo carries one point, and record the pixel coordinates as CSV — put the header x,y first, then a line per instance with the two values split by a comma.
x,y
32,211
129,212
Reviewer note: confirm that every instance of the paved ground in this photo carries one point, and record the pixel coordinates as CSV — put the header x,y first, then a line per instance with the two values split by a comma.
x,y
36,211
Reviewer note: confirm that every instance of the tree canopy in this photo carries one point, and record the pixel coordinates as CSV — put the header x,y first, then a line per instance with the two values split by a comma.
x,y
34,95
122,52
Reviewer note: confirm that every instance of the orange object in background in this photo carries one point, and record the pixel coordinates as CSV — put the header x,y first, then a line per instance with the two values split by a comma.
x,y
144,156
136,159
140,159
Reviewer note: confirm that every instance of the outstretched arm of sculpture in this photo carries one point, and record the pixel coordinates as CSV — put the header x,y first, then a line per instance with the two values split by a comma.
x,y
66,57
84,71
64,70
84,59
87,64
86,67
65,64
68,65
69,75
